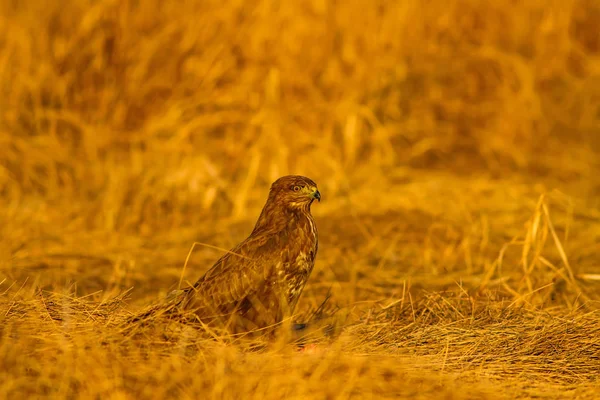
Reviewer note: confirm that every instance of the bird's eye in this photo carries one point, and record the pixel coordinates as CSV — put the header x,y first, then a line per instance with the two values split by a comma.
x,y
295,188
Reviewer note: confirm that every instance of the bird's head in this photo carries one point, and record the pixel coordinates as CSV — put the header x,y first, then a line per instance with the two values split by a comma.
x,y
295,191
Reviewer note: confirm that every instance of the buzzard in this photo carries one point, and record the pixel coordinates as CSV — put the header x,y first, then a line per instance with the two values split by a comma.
x,y
256,284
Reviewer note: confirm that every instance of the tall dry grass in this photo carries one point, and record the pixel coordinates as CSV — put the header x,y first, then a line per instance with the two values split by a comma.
x,y
456,145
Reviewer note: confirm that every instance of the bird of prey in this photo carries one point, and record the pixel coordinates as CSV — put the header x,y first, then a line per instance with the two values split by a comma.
x,y
256,284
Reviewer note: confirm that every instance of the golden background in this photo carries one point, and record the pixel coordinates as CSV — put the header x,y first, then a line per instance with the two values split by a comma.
x,y
456,145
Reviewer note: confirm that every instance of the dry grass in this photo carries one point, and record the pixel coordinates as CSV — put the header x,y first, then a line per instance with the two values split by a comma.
x,y
456,144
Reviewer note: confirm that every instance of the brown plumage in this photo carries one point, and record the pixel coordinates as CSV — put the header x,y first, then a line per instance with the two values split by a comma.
x,y
258,282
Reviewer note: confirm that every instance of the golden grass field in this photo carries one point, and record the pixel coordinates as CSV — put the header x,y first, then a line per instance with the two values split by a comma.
x,y
456,145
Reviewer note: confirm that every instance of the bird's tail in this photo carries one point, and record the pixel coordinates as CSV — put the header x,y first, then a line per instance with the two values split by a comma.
x,y
168,307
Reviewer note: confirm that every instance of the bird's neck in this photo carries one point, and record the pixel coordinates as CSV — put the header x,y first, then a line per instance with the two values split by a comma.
x,y
275,217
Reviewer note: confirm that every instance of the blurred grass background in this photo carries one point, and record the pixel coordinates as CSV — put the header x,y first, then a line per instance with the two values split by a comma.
x,y
456,144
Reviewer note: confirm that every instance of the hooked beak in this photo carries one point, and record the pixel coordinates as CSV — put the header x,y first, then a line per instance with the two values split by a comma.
x,y
316,195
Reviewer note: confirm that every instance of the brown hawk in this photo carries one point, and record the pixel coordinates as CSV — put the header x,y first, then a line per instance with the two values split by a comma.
x,y
257,283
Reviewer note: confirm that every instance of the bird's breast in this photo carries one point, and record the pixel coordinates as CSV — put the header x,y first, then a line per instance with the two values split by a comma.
x,y
296,269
